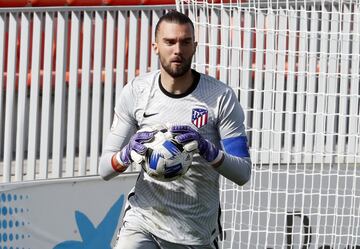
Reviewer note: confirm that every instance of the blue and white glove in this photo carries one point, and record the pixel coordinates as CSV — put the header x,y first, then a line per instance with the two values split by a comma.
x,y
134,150
187,135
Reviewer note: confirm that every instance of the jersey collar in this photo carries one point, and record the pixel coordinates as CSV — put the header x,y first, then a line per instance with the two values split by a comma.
x,y
190,90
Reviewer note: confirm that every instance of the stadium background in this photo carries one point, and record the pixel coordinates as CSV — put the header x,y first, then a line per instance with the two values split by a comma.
x,y
294,65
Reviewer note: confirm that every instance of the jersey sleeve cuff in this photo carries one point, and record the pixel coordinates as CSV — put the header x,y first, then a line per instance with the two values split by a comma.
x,y
116,163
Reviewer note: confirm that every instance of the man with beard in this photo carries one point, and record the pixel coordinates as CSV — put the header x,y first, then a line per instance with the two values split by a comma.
x,y
182,213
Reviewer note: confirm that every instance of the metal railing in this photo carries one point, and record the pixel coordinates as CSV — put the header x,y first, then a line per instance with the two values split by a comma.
x,y
61,70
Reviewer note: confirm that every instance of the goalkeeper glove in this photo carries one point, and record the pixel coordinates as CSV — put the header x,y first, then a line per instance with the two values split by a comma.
x,y
134,150
186,135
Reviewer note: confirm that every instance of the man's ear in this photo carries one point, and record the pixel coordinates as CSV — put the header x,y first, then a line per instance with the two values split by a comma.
x,y
195,47
155,48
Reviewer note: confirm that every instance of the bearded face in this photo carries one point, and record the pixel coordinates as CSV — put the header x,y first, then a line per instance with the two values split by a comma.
x,y
175,47
177,66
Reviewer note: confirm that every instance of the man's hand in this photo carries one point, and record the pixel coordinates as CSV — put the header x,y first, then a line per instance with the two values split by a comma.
x,y
186,135
133,151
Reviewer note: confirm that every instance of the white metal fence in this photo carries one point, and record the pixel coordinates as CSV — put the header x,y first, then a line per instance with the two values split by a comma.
x,y
60,71
62,68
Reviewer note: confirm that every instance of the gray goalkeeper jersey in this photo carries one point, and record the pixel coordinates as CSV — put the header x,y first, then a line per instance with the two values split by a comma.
x,y
183,211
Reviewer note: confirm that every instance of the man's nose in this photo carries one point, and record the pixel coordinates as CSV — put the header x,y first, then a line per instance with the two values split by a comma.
x,y
177,48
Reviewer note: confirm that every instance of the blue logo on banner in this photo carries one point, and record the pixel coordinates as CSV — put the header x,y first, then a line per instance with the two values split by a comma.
x,y
95,238
13,210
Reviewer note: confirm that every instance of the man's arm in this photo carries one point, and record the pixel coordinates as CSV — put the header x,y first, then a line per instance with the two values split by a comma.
x,y
236,169
109,167
236,163
123,127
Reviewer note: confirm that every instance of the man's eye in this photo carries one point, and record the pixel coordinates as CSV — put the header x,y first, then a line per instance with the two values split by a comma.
x,y
169,42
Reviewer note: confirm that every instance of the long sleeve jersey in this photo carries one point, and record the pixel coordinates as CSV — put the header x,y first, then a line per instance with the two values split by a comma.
x,y
185,210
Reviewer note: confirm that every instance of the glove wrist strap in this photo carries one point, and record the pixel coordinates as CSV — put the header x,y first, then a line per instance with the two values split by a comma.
x,y
217,159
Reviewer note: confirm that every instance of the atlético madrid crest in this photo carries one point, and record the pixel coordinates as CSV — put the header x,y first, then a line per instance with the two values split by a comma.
x,y
199,117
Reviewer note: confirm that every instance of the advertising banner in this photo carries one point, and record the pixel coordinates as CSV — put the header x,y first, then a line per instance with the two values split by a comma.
x,y
305,211
73,213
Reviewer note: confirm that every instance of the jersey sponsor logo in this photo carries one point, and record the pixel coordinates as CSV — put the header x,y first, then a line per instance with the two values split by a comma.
x,y
146,115
199,117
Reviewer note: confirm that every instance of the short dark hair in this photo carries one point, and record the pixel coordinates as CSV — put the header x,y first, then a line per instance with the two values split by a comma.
x,y
174,16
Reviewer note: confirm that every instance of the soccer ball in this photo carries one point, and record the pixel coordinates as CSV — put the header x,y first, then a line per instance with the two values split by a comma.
x,y
166,159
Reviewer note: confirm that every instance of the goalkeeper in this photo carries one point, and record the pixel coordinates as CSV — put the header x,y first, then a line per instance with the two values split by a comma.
x,y
182,213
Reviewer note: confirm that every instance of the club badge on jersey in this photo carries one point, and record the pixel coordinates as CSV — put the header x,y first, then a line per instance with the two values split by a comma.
x,y
199,117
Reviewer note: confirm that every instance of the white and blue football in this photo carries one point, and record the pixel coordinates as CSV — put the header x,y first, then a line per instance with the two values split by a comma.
x,y
166,159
